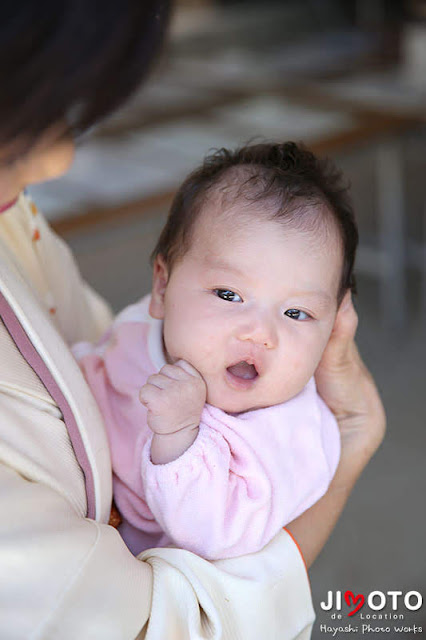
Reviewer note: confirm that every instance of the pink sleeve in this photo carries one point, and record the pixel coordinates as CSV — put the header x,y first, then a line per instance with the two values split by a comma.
x,y
245,477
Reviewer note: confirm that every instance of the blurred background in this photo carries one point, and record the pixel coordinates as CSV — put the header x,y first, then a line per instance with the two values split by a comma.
x,y
348,78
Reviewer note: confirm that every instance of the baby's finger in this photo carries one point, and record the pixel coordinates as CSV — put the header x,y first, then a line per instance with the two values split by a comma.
x,y
173,372
149,393
159,380
183,364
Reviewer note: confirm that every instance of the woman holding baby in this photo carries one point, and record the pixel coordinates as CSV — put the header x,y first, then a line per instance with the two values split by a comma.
x,y
65,571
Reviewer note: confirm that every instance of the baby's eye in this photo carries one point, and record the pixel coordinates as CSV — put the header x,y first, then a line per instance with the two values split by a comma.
x,y
226,294
296,314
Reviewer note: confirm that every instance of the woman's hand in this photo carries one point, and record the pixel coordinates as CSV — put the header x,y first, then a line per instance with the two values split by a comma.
x,y
347,387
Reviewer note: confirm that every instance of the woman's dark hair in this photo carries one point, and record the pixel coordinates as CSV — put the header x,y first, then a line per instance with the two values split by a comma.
x,y
72,61
304,191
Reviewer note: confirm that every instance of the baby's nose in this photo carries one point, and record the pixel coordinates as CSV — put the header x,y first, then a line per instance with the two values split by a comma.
x,y
261,331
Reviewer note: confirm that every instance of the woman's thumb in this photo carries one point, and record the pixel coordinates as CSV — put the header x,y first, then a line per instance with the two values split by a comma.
x,y
343,334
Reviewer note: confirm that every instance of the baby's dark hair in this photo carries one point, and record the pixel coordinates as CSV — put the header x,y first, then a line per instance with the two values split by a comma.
x,y
304,191
71,62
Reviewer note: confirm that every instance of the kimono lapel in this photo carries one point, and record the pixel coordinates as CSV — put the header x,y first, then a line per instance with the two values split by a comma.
x,y
47,354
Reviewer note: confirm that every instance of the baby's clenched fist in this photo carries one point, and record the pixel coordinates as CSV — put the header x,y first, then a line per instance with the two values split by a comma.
x,y
174,397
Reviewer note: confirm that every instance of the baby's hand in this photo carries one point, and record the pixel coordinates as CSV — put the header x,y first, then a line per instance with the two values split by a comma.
x,y
174,397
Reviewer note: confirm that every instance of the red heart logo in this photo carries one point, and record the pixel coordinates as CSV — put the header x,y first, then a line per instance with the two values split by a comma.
x,y
356,599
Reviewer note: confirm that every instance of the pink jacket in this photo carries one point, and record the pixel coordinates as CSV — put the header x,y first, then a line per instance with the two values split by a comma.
x,y
244,477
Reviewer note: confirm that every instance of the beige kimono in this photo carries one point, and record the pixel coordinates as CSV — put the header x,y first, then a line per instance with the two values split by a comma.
x,y
64,572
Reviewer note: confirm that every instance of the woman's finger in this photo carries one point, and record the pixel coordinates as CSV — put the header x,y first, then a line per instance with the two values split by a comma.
x,y
341,343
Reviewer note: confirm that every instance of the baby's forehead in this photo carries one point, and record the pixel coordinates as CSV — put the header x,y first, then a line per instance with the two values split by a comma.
x,y
228,231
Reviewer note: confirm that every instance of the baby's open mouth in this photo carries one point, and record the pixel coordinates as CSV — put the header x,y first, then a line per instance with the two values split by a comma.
x,y
243,370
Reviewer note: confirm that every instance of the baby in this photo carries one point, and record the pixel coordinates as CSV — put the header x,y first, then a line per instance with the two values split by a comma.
x,y
218,436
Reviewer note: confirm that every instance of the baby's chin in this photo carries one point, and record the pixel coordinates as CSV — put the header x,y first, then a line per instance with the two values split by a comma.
x,y
241,402
234,406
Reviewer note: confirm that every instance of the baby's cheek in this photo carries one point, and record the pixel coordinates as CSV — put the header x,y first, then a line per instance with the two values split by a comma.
x,y
300,362
183,343
301,370
172,343
203,344
314,350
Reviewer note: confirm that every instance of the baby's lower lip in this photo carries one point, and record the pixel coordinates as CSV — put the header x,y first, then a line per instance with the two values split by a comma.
x,y
239,383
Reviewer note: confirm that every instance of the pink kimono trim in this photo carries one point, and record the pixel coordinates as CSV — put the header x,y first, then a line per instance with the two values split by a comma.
x,y
8,205
31,355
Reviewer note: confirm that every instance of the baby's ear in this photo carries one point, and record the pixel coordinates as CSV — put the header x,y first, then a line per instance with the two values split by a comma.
x,y
160,278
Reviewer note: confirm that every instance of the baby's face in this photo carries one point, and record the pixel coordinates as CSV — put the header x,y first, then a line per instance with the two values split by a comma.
x,y
251,306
